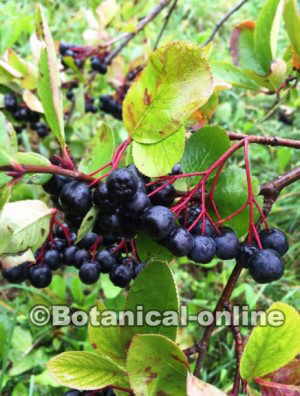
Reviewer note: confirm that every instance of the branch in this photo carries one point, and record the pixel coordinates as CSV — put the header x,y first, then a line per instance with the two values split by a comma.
x,y
171,9
272,189
266,140
223,20
129,36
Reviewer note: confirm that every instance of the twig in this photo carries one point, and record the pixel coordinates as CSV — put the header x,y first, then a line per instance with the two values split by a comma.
x,y
272,189
167,18
202,346
223,20
153,13
266,140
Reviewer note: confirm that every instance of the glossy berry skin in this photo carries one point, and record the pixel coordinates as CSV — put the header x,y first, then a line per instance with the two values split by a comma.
x,y
227,243
88,240
122,184
180,242
139,203
106,260
10,102
98,65
16,274
246,253
89,272
53,259
163,197
176,170
55,184
102,200
158,222
108,223
274,239
76,197
59,244
21,114
80,257
121,275
40,276
110,106
204,249
266,266
64,47
69,255
41,129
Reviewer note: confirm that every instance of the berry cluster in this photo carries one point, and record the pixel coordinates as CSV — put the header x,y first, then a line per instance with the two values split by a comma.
x,y
80,54
105,392
21,113
127,203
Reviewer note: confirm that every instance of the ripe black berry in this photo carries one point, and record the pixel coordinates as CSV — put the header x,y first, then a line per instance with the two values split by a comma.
x,y
89,272
274,239
75,197
102,200
204,249
176,170
41,129
80,257
58,244
266,266
108,223
121,275
69,255
40,276
227,243
122,184
21,114
180,242
163,197
53,259
106,260
246,253
158,222
98,65
138,204
55,184
16,274
10,102
88,240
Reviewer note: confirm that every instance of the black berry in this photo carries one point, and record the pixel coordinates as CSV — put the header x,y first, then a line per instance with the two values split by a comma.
x,y
274,239
10,102
227,243
158,222
138,204
16,274
53,259
76,197
106,260
55,184
246,253
88,240
122,184
266,266
180,242
102,200
204,249
121,275
163,197
89,272
40,276
98,65
80,257
69,255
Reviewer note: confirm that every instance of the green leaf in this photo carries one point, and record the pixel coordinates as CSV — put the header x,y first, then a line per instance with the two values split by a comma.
x,y
49,80
284,156
8,137
159,158
266,33
196,387
106,340
23,225
149,249
87,223
272,347
242,47
291,17
231,194
234,75
202,149
153,289
86,371
99,150
28,70
156,366
21,339
176,82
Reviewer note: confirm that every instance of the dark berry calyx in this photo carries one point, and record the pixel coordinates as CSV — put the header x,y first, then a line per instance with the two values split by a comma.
x,y
246,253
122,184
